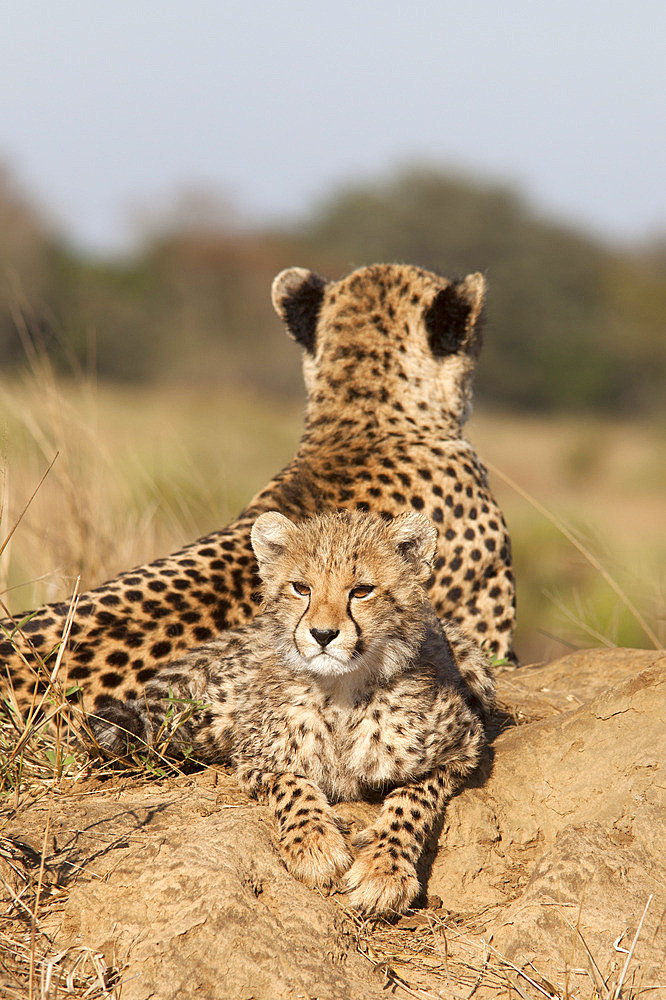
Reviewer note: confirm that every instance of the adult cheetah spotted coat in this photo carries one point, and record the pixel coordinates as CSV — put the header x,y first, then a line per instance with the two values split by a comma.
x,y
388,358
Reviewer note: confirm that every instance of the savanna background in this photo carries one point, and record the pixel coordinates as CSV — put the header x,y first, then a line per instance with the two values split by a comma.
x,y
165,383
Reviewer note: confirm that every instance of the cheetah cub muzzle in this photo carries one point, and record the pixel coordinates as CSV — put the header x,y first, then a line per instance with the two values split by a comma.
x,y
345,683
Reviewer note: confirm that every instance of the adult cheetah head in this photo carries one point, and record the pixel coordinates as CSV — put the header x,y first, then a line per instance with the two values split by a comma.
x,y
346,589
385,331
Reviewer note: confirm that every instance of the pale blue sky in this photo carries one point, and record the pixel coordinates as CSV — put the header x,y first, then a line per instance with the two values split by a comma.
x,y
107,106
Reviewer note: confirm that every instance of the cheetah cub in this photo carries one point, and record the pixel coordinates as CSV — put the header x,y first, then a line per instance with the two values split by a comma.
x,y
346,682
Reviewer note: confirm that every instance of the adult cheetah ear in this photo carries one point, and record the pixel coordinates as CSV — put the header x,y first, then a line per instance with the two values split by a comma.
x,y
415,539
297,296
270,536
452,317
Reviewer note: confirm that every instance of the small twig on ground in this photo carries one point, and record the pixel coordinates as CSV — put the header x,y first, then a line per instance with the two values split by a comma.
x,y
33,923
596,975
618,989
528,979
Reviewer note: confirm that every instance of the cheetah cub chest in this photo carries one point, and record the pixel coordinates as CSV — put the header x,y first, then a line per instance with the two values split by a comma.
x,y
346,682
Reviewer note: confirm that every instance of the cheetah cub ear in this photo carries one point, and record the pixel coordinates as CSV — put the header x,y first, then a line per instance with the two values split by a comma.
x,y
297,296
270,537
415,538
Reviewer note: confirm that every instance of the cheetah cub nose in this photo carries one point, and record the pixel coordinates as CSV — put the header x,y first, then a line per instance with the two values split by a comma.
x,y
324,635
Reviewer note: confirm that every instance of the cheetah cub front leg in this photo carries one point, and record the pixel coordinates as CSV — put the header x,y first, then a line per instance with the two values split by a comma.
x,y
383,876
311,837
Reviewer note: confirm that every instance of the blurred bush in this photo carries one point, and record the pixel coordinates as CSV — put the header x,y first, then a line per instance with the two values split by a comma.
x,y
572,323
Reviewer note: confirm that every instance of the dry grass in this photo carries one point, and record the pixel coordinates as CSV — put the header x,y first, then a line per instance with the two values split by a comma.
x,y
583,499
38,758
138,474
47,752
428,956
589,556
31,964
41,752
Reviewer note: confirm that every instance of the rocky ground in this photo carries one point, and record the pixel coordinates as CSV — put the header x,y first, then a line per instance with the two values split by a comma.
x,y
535,886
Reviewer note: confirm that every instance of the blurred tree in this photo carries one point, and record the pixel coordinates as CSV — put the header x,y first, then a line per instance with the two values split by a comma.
x,y
572,323
26,261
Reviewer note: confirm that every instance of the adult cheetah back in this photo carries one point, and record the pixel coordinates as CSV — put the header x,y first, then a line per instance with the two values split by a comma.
x,y
388,358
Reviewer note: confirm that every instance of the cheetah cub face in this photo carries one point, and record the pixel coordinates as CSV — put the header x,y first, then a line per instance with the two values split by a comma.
x,y
335,597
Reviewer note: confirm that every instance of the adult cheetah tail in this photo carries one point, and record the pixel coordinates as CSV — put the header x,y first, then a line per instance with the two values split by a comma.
x,y
474,669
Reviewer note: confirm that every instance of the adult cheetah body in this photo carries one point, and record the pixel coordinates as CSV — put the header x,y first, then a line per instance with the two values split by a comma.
x,y
388,358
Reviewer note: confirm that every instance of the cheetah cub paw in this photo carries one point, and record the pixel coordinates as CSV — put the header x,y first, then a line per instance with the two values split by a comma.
x,y
317,854
381,880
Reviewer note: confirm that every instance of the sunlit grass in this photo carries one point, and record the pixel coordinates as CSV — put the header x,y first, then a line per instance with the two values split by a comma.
x,y
139,473
602,483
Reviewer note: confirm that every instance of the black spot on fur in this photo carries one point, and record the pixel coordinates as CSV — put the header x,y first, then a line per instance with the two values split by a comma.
x,y
160,649
118,658
105,618
111,679
109,599
78,673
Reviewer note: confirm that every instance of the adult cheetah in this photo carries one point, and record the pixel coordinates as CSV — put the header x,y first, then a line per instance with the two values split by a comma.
x,y
346,682
388,359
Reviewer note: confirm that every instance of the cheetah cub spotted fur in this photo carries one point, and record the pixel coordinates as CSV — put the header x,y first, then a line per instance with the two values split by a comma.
x,y
345,683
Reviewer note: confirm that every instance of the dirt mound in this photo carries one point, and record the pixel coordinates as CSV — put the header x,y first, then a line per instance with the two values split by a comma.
x,y
547,859
566,836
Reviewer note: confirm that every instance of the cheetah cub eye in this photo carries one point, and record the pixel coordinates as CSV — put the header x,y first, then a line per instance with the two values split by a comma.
x,y
301,589
362,591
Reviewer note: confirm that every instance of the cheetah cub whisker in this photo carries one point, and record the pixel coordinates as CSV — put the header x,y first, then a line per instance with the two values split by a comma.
x,y
345,682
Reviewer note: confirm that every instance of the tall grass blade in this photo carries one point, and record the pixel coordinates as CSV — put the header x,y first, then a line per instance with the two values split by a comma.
x,y
584,551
